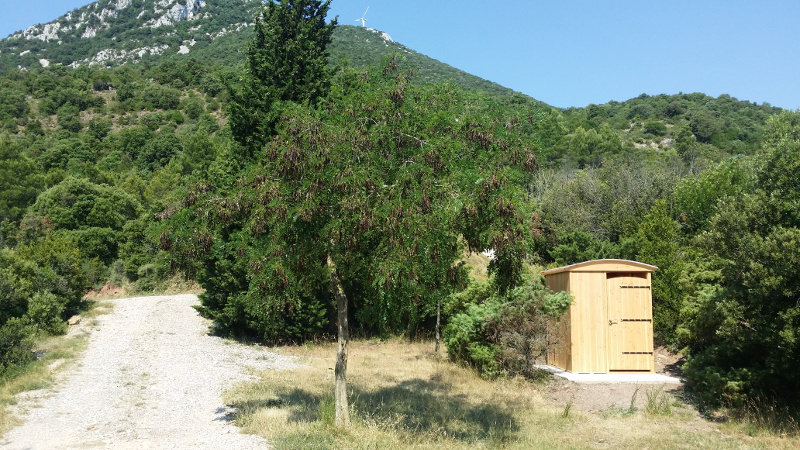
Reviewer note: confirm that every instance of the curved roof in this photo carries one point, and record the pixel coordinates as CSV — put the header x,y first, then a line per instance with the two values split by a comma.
x,y
604,265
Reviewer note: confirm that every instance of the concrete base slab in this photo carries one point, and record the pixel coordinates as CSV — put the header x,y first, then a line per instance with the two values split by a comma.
x,y
654,378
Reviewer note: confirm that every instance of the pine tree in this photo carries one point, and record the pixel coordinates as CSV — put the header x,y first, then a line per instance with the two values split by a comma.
x,y
286,62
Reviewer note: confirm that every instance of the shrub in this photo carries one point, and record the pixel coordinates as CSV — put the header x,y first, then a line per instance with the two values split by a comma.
x,y
158,152
467,336
148,277
77,204
161,97
99,128
16,345
655,128
96,242
193,107
208,122
578,246
212,104
503,335
57,269
521,328
176,117
45,310
69,119
116,273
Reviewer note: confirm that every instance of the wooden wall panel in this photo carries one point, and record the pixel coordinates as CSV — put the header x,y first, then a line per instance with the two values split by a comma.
x,y
589,321
631,335
559,344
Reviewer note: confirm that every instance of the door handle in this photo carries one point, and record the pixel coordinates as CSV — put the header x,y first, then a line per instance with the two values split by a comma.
x,y
613,321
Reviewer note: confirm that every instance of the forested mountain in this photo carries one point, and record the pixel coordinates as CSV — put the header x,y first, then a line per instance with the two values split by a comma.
x,y
112,32
131,173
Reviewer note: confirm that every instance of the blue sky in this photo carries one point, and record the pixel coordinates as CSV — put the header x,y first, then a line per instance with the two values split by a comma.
x,y
577,52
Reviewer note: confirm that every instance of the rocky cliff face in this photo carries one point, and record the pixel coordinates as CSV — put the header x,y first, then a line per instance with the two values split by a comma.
x,y
118,31
85,22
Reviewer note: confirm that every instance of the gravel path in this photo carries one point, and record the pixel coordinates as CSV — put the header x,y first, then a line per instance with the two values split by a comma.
x,y
151,377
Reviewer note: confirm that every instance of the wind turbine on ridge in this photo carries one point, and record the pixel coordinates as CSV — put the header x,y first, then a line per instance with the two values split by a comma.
x,y
362,19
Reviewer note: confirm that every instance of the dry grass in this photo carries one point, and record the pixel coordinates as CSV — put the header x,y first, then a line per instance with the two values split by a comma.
x,y
173,285
177,284
402,397
479,263
57,354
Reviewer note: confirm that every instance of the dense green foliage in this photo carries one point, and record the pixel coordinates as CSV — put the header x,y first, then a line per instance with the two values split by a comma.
x,y
84,176
383,178
40,284
741,316
502,334
286,62
123,174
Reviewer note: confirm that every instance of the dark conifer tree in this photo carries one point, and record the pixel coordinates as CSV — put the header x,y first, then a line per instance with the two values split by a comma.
x,y
286,61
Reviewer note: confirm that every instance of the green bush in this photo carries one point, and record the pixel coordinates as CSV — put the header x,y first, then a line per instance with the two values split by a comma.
x,y
45,310
69,119
161,97
57,269
16,345
99,128
158,152
96,242
149,277
579,246
503,335
176,117
655,128
740,314
77,204
236,297
193,107
17,277
116,273
467,336
208,122
212,104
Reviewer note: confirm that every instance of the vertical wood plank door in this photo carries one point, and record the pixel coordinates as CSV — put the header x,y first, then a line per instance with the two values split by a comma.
x,y
630,323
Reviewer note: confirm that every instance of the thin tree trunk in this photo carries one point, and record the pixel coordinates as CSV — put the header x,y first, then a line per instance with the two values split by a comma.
x,y
340,390
438,321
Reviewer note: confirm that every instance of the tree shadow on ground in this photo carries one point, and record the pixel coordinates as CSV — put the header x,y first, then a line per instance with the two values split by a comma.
x,y
413,406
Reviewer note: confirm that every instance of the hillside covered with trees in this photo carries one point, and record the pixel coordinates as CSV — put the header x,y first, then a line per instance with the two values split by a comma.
x,y
378,178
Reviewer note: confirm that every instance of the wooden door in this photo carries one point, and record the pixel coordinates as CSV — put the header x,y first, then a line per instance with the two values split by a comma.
x,y
630,322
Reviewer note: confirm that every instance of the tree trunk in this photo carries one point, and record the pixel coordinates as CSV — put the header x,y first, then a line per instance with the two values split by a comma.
x,y
340,390
438,321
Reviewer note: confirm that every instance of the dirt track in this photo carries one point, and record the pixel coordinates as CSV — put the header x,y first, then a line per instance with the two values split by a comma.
x,y
151,377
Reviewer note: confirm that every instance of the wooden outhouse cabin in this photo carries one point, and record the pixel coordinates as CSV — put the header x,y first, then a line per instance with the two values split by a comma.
x,y
609,325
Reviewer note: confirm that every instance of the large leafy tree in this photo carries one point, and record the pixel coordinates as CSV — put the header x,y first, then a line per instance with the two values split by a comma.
x,y
741,319
286,61
371,197
19,181
91,215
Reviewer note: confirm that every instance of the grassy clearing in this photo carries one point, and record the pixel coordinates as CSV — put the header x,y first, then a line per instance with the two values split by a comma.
x,y
764,419
56,354
479,263
177,284
402,397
